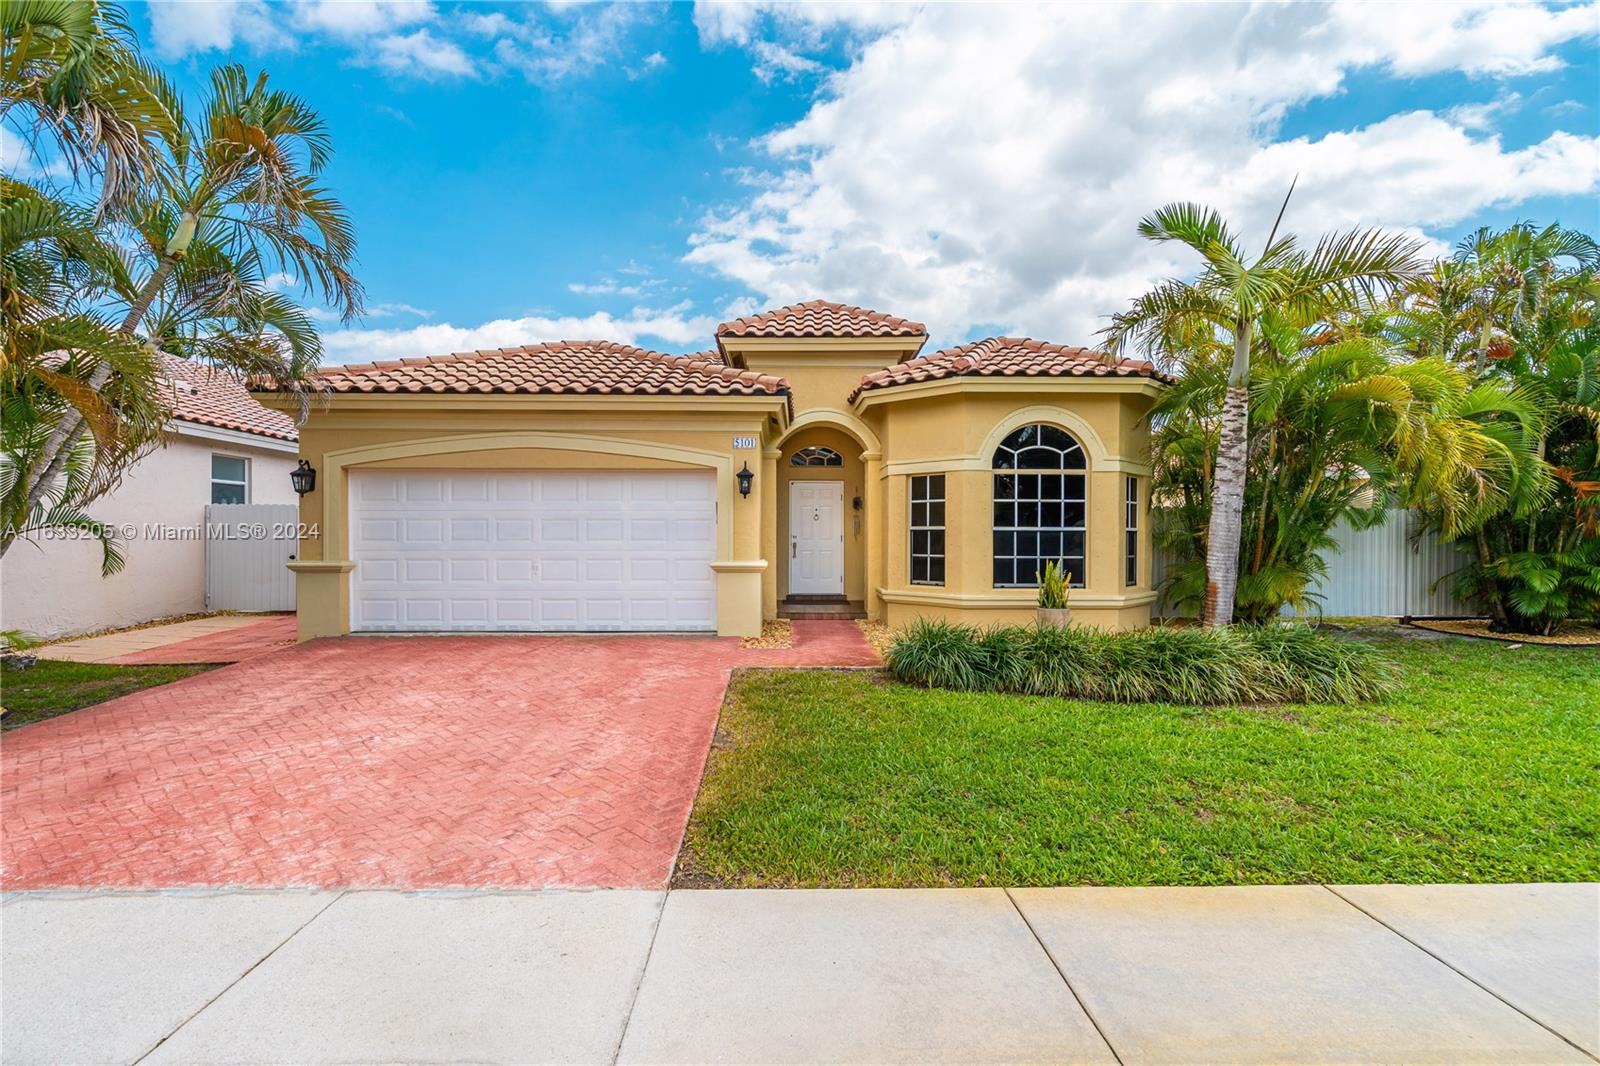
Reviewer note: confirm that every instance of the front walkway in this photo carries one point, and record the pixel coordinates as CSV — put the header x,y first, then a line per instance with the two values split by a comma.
x,y
395,762
219,638
1305,973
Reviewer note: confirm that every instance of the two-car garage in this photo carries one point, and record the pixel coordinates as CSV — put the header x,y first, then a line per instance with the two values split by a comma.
x,y
532,550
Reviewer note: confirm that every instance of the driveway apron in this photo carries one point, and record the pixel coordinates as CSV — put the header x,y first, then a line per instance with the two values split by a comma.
x,y
417,762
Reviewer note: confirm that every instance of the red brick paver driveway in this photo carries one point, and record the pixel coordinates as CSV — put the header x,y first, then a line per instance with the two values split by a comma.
x,y
404,762
228,646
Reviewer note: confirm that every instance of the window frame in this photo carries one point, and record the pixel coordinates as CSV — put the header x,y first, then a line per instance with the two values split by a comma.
x,y
243,483
827,457
928,526
1130,532
1074,465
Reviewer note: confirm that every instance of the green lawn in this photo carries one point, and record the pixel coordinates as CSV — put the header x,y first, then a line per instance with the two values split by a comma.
x,y
1486,767
51,687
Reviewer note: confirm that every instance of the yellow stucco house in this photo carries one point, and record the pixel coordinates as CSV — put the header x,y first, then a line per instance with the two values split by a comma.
x,y
815,460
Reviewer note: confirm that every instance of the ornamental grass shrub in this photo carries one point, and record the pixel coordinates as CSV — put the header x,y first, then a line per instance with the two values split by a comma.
x,y
1273,663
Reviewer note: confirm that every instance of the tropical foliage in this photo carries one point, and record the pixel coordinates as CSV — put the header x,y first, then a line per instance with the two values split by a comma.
x,y
1517,310
1227,307
163,244
1341,432
1466,389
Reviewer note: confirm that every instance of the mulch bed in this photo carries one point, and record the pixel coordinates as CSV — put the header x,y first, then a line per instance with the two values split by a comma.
x,y
1571,635
775,633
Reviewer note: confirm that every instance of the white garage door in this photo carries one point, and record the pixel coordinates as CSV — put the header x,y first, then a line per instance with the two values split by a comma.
x,y
532,550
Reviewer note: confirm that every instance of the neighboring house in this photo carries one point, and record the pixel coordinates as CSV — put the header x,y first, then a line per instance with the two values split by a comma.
x,y
587,485
223,447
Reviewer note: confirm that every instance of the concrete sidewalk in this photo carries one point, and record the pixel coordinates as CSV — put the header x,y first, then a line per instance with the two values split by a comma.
x,y
1452,973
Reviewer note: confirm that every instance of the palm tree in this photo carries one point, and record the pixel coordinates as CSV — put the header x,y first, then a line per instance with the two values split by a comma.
x,y
1340,432
1224,305
70,72
238,192
54,273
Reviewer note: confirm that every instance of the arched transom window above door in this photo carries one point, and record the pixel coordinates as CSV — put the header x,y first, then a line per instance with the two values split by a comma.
x,y
816,455
1040,483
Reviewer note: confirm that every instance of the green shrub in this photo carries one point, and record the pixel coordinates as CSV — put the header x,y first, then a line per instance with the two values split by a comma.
x,y
940,655
1060,658
1305,665
1240,664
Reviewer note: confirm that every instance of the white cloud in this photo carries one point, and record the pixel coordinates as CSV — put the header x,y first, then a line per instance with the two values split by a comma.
x,y
1486,115
20,158
672,328
737,23
373,311
988,165
557,42
647,66
368,27
423,54
1479,37
604,288
179,27
780,63
360,18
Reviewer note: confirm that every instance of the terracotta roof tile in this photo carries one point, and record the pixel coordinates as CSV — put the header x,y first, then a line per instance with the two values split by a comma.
x,y
821,318
586,367
212,397
1007,357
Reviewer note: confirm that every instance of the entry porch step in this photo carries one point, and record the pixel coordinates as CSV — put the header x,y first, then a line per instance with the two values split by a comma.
x,y
821,608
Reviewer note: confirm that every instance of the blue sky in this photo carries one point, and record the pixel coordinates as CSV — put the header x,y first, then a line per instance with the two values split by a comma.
x,y
522,172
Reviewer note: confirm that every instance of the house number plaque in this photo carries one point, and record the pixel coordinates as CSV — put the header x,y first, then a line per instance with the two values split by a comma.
x,y
744,442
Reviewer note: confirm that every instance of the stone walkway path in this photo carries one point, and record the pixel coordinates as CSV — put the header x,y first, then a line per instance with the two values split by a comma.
x,y
1293,974
223,638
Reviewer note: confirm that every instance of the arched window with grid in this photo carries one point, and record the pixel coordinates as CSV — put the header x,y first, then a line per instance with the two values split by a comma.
x,y
1040,485
816,455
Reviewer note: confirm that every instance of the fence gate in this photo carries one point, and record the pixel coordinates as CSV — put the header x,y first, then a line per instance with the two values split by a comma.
x,y
248,548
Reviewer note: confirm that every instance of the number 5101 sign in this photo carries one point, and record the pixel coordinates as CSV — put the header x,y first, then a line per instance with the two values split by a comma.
x,y
744,442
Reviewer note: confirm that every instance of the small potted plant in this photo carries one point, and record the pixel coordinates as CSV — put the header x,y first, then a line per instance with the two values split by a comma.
x,y
1053,583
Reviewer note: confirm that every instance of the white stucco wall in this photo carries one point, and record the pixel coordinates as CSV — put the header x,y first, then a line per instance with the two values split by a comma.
x,y
53,589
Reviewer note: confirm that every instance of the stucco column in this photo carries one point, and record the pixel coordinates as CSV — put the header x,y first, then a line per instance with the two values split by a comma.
x,y
876,501
1105,543
769,490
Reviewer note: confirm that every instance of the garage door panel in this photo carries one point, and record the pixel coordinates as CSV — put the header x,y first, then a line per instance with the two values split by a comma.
x,y
422,571
535,550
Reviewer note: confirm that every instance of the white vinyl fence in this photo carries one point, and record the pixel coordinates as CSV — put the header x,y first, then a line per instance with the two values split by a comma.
x,y
1385,571
248,548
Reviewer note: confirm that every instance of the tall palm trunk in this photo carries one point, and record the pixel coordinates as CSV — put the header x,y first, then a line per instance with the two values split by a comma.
x,y
1227,491
68,431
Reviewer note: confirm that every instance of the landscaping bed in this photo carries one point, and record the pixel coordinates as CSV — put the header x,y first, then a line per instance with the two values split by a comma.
x,y
51,687
1571,634
1481,767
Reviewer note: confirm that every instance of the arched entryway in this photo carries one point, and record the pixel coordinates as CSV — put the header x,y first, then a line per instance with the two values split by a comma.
x,y
821,526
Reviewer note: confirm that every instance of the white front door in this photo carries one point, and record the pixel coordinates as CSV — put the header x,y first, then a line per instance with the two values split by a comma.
x,y
816,538
532,550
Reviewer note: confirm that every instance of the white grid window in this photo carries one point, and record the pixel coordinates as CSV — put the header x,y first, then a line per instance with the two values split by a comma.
x,y
927,529
230,479
1130,531
1039,506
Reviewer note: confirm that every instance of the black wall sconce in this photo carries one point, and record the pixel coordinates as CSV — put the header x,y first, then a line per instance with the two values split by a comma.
x,y
746,478
303,477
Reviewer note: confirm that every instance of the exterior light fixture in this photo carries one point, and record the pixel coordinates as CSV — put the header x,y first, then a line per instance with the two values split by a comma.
x,y
746,478
303,477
